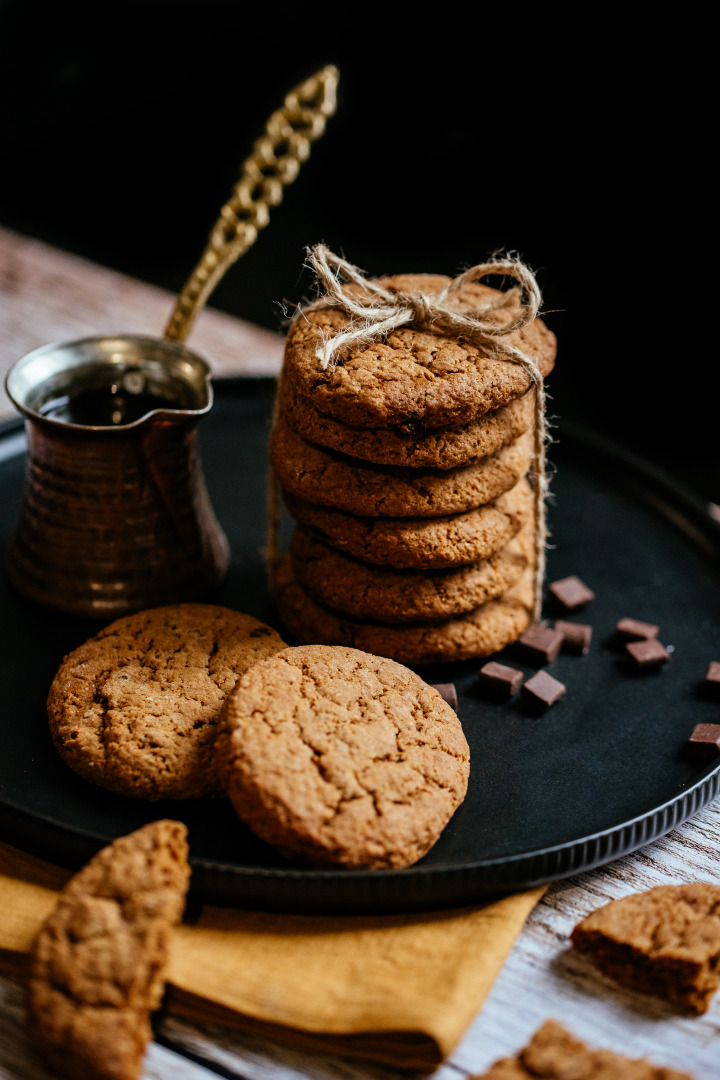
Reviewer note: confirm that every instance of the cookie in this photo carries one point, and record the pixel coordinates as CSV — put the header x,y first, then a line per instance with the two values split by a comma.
x,y
665,942
99,960
329,479
409,446
414,375
554,1054
135,708
483,631
421,543
339,758
354,588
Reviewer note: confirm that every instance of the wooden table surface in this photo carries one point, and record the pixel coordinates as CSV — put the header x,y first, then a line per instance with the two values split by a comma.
x,y
46,295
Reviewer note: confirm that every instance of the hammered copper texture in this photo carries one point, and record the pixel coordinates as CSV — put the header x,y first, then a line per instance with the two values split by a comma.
x,y
115,522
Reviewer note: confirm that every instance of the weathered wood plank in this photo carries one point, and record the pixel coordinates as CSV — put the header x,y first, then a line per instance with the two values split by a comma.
x,y
47,295
544,976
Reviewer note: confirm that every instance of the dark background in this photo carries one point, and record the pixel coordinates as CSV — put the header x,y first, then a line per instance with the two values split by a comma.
x,y
580,142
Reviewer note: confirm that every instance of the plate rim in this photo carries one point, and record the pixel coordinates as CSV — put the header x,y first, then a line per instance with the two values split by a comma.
x,y
452,885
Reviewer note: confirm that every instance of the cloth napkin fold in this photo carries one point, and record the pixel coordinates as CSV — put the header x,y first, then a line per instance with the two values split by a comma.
x,y
397,989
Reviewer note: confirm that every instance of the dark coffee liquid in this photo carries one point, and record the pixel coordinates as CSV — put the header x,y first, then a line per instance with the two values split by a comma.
x,y
105,408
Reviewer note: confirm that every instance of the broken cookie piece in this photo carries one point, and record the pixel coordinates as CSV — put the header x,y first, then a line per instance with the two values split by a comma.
x,y
665,942
99,960
554,1054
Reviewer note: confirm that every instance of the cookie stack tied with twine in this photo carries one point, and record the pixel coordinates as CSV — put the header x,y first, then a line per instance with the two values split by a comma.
x,y
409,445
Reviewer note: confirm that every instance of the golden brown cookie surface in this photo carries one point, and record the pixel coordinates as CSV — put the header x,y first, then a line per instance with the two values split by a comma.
x,y
364,591
554,1054
409,446
340,758
329,479
135,708
421,543
481,632
99,960
665,941
415,374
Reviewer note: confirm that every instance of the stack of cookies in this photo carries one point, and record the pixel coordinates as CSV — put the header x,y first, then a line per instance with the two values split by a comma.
x,y
405,467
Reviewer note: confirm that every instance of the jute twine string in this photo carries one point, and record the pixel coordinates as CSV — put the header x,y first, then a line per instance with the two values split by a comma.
x,y
376,311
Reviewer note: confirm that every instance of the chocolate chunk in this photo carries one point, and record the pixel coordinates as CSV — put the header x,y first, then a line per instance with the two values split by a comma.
x,y
501,679
647,654
448,693
571,593
712,679
576,637
705,740
541,643
634,630
542,689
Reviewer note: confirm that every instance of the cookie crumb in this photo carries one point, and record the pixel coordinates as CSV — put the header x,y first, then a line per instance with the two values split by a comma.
x,y
554,1054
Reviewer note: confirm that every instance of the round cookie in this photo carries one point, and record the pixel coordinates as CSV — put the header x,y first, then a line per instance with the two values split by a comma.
x,y
410,446
135,709
386,595
414,374
339,758
420,543
481,632
329,479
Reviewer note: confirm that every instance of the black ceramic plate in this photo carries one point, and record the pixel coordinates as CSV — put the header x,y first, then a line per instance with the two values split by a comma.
x,y
601,773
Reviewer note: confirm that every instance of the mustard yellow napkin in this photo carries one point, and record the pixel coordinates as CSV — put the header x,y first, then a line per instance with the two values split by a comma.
x,y
395,989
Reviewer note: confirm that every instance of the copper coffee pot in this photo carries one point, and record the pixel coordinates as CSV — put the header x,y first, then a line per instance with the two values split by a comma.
x,y
116,516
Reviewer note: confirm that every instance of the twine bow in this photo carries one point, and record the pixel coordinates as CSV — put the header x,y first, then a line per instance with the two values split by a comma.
x,y
376,311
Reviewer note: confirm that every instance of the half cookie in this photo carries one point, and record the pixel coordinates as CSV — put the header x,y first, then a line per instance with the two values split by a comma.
x,y
99,960
135,709
339,758
665,941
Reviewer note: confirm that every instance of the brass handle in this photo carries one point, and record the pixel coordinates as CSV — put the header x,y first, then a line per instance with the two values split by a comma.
x,y
273,164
